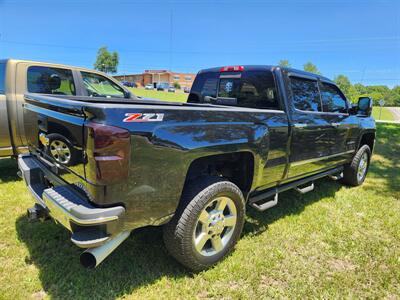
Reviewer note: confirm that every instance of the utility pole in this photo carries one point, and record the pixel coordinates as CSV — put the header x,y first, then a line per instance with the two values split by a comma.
x,y
170,38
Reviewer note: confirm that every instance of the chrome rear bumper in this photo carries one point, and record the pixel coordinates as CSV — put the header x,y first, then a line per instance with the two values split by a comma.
x,y
91,226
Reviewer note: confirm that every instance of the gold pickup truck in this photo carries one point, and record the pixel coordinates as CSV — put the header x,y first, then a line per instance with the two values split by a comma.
x,y
19,77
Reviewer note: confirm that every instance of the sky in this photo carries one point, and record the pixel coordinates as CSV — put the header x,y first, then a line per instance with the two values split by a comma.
x,y
357,38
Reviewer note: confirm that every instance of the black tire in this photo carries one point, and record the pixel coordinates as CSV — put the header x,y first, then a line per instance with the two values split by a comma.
x,y
73,153
179,232
350,172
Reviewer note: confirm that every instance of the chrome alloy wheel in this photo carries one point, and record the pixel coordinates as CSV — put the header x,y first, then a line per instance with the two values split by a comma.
x,y
362,166
215,226
60,151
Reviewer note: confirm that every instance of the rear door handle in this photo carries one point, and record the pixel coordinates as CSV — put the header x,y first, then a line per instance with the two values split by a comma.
x,y
335,124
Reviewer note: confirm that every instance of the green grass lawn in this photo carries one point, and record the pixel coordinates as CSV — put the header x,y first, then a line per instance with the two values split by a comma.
x,y
334,242
386,114
177,97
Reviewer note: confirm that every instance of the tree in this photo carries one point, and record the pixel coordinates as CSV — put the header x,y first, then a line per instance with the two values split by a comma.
x,y
346,87
310,67
394,97
177,85
360,88
284,63
106,62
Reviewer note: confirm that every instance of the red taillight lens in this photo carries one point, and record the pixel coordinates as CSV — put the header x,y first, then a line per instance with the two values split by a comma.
x,y
108,149
232,69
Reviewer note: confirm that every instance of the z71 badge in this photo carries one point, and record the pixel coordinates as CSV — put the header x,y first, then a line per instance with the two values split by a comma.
x,y
138,117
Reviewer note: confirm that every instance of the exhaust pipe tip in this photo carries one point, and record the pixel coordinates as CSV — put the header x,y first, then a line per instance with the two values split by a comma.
x,y
92,257
88,260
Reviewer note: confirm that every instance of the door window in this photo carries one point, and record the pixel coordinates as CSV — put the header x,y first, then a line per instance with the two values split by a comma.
x,y
47,80
332,99
257,89
100,86
305,94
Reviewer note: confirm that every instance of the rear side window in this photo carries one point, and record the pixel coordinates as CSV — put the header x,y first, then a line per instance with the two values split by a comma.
x,y
305,94
253,89
332,99
205,84
2,78
46,80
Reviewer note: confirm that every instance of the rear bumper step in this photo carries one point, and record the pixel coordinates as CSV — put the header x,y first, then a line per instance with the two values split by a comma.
x,y
91,226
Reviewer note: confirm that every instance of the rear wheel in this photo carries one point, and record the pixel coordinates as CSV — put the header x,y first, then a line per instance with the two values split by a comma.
x,y
207,224
354,173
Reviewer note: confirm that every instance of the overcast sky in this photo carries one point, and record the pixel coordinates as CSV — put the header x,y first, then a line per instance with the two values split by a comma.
x,y
358,38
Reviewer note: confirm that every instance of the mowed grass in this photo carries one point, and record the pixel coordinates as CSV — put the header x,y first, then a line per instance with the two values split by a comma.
x,y
386,114
334,242
162,95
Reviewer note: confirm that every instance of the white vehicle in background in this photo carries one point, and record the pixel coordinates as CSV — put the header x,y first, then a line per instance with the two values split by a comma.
x,y
149,86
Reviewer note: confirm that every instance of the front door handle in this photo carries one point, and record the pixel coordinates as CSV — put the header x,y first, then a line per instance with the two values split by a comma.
x,y
335,124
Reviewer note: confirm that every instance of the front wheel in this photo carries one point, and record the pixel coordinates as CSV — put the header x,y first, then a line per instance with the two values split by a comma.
x,y
207,224
354,173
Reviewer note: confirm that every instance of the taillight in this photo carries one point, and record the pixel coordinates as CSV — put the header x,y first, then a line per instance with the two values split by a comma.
x,y
108,149
232,69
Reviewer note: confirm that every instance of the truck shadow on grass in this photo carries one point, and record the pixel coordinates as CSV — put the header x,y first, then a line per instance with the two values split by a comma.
x,y
9,168
141,260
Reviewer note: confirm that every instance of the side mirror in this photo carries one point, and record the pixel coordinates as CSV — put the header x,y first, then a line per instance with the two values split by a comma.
x,y
364,106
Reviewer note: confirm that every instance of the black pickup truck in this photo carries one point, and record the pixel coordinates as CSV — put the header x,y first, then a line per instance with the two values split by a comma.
x,y
246,134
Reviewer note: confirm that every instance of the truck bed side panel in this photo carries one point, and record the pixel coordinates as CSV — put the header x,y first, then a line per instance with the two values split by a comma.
x,y
162,152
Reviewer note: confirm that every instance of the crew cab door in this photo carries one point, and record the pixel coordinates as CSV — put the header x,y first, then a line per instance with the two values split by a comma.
x,y
312,133
344,126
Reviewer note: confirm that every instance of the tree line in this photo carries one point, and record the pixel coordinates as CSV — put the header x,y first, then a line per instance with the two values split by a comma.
x,y
391,96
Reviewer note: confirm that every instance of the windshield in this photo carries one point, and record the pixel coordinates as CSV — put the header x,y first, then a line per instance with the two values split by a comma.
x,y
100,86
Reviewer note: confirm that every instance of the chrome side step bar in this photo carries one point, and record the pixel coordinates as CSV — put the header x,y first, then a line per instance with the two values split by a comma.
x,y
305,189
259,201
336,176
265,205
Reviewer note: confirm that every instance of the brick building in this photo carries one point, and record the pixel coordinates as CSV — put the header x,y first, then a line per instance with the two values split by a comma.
x,y
159,76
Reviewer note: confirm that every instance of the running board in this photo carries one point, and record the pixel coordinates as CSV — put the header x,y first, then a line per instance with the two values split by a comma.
x,y
265,205
305,189
336,176
273,192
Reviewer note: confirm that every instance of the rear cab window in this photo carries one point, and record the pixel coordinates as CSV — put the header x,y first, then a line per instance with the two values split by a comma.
x,y
252,89
2,78
49,80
